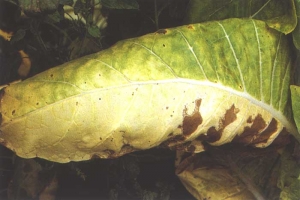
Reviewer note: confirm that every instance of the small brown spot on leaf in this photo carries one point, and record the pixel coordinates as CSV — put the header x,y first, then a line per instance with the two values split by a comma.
x,y
37,103
51,75
164,45
191,122
161,31
77,103
167,107
13,112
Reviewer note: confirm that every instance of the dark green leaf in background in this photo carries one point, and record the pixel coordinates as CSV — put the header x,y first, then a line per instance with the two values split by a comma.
x,y
120,4
33,7
296,32
94,31
295,91
289,177
278,14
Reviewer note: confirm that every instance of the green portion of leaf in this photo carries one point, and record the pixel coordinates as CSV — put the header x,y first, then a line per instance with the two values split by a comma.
x,y
120,4
289,177
241,54
280,15
295,91
296,32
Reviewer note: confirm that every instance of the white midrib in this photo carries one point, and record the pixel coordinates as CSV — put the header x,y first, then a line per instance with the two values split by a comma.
x,y
275,113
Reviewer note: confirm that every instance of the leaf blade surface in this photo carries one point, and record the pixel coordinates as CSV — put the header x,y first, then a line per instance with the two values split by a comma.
x,y
216,82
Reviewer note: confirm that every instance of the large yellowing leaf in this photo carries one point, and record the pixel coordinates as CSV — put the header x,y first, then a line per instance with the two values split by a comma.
x,y
216,82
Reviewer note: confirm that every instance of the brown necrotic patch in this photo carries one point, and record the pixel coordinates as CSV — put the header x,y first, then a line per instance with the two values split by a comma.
x,y
191,122
230,116
213,134
250,133
267,133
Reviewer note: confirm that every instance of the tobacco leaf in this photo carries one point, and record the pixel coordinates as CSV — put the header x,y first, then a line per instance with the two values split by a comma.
x,y
217,82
